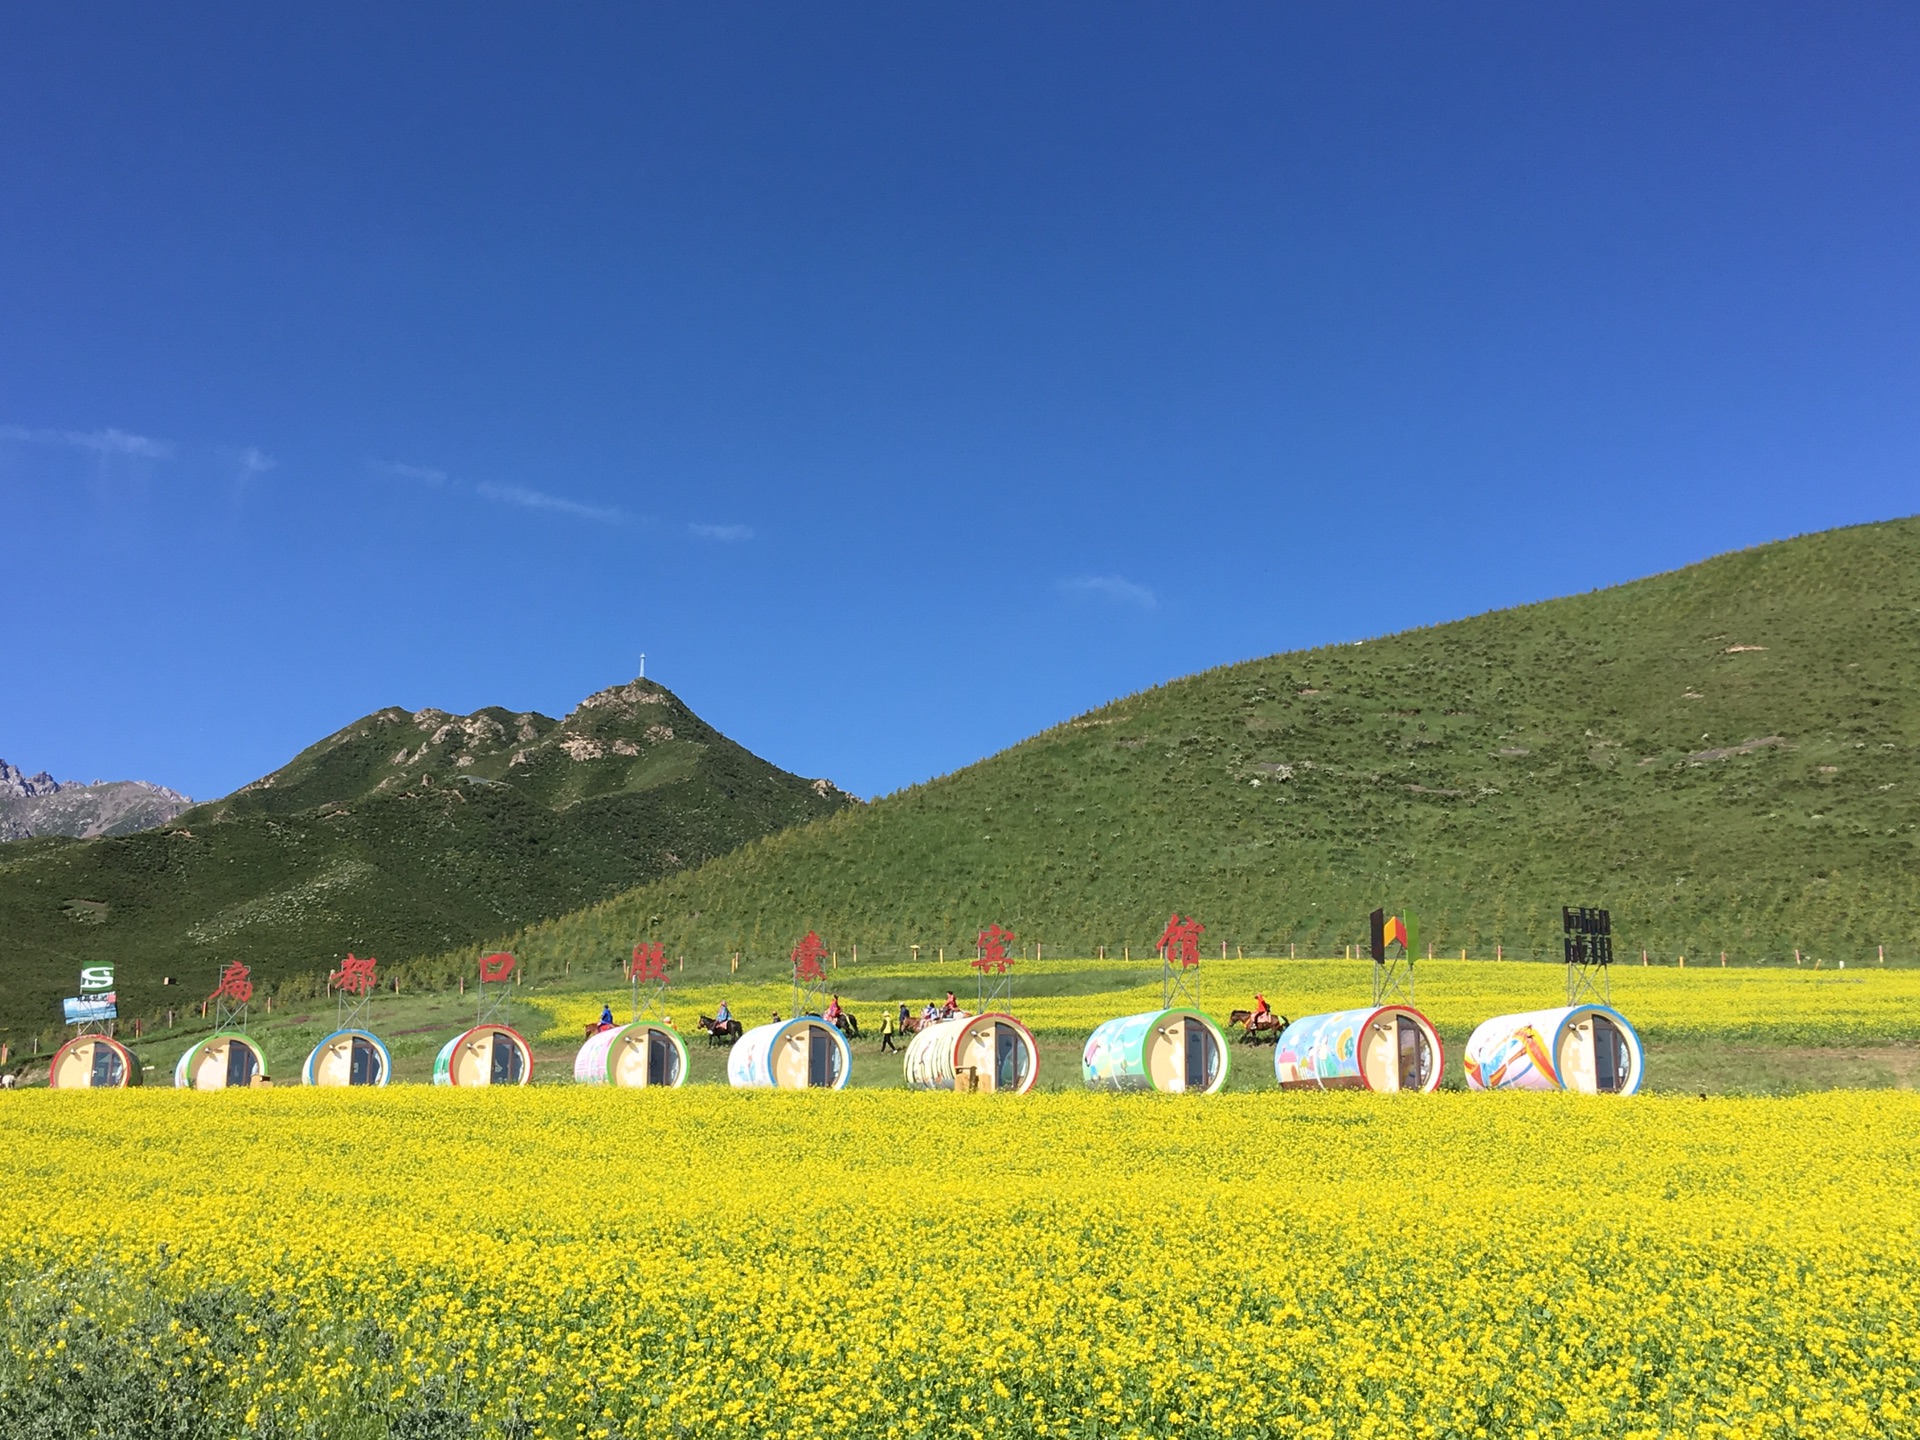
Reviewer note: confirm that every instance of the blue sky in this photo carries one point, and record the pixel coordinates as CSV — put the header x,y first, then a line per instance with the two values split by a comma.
x,y
901,379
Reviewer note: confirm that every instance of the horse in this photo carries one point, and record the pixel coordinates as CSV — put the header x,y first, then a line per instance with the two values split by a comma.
x,y
1265,1031
849,1026
721,1033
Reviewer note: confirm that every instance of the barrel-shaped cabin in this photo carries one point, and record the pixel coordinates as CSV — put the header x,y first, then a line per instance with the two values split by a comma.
x,y
348,1057
1180,1051
633,1056
1386,1047
807,1052
94,1062
1588,1048
972,1053
223,1061
484,1055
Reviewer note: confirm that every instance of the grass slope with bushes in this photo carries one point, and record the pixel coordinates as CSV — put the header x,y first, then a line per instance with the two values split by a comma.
x,y
402,835
1728,756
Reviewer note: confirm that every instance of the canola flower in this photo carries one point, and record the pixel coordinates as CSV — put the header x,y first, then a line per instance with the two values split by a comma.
x,y
569,1262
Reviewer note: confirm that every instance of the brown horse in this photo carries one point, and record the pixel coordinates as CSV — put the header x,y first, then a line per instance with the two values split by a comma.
x,y
1265,1032
719,1033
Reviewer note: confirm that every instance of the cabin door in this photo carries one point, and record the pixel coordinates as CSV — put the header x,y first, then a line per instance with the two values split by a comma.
x,y
1416,1056
107,1069
661,1069
819,1058
364,1066
506,1061
241,1063
1609,1056
1203,1057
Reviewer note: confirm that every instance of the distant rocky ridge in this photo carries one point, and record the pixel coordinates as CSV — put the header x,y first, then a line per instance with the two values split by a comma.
x,y
41,805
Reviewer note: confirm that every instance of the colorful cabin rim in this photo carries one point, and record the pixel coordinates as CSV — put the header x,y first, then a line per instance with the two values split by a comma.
x,y
1588,1048
633,1056
1172,1050
224,1061
94,1062
1391,1047
972,1053
484,1055
805,1053
348,1057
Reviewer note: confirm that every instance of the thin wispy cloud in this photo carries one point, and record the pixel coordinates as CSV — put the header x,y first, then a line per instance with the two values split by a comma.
x,y
253,461
424,474
100,442
1114,589
531,499
723,533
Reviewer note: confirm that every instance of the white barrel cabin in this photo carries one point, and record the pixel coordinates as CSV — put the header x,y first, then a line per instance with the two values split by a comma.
x,y
223,1061
484,1055
1377,1047
1586,1048
972,1053
635,1056
805,1053
348,1057
94,1062
1179,1051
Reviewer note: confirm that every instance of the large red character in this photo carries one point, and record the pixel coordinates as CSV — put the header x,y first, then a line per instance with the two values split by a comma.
x,y
806,958
495,968
234,984
649,963
354,976
993,950
1182,938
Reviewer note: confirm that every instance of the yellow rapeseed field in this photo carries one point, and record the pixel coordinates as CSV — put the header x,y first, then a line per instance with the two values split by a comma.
x,y
568,1262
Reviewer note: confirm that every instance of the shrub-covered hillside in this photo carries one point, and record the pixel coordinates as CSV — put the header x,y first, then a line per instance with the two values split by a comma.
x,y
1728,756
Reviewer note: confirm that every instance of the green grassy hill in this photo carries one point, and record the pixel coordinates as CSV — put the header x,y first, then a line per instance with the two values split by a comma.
x,y
403,834
1728,756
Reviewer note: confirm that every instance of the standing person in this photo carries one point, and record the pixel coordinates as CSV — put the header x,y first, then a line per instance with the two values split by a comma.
x,y
886,1031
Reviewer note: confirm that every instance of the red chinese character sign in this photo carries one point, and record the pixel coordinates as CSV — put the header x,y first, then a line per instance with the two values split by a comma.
x,y
231,997
649,963
809,975
991,958
1180,960
355,976
496,968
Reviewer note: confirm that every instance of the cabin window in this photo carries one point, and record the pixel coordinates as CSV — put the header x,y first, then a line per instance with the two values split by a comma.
x,y
506,1061
107,1069
364,1067
241,1063
1610,1057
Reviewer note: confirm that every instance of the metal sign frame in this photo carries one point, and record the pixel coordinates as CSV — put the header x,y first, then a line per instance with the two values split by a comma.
x,y
494,1007
648,975
354,989
1587,940
1179,947
990,957
810,978
1392,974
